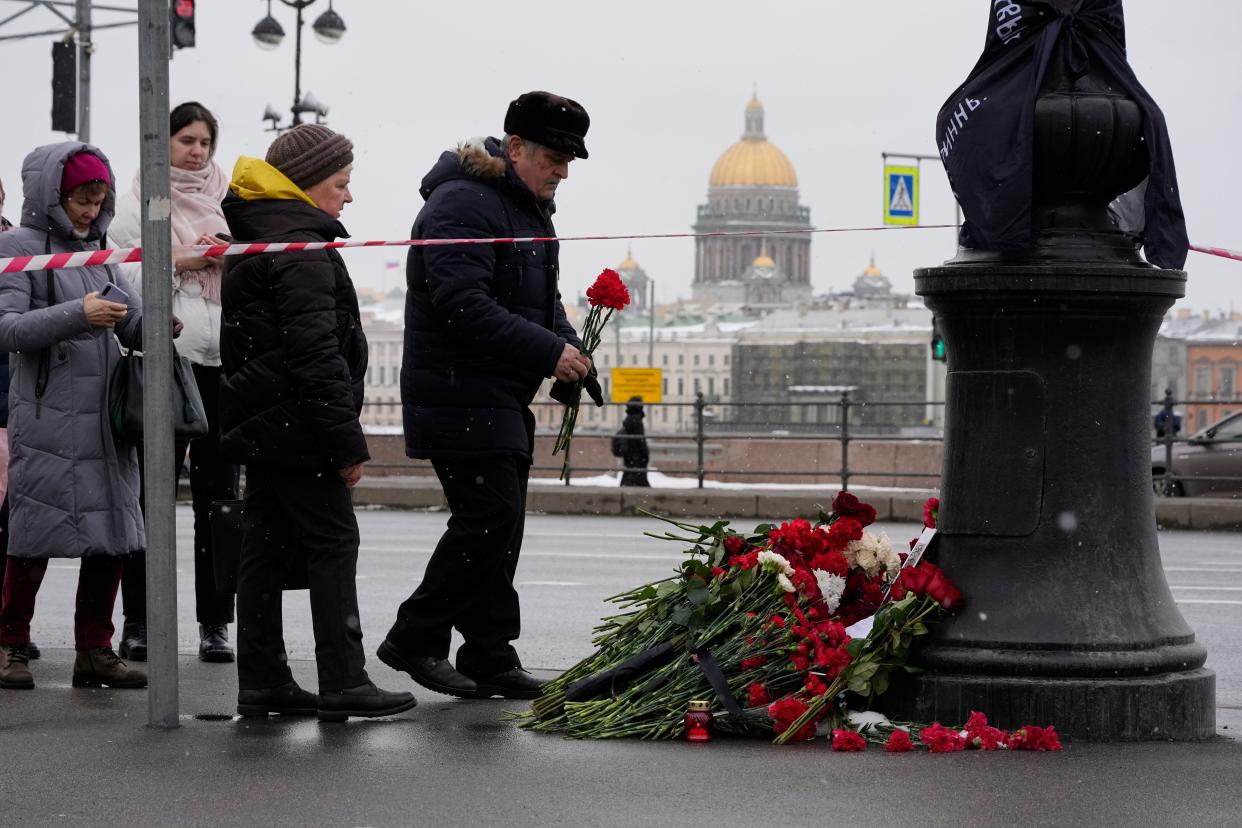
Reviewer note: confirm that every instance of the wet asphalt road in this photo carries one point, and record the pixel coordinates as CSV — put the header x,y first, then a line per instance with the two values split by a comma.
x,y
570,565
84,757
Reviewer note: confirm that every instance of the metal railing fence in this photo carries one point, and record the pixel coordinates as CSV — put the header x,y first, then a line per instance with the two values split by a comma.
x,y
845,429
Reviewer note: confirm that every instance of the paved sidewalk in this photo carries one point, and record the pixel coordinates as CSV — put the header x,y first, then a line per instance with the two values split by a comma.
x,y
86,757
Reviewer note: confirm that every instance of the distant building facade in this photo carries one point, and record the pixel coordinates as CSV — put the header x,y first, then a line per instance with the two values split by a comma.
x,y
792,369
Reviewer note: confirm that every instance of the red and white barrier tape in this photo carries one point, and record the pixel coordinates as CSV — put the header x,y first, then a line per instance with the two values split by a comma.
x,y
1218,251
125,255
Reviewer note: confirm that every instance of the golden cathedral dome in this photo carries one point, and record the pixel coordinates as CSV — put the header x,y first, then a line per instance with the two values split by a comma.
x,y
753,161
629,263
763,259
872,270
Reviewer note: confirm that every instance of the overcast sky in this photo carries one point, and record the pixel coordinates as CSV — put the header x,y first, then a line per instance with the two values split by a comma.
x,y
666,84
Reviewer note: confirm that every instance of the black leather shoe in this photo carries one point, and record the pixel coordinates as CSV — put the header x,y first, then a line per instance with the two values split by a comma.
x,y
285,700
435,674
213,644
33,652
511,684
133,641
365,701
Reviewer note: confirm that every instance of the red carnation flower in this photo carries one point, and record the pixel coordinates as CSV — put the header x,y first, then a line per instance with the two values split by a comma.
x,y
1031,737
806,584
758,695
940,739
777,621
735,544
608,291
847,741
784,712
846,504
832,660
980,734
751,662
931,512
717,571
842,531
1049,739
898,742
940,588
832,562
746,561
815,685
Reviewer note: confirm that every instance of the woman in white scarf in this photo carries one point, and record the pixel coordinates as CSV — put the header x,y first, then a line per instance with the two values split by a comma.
x,y
198,187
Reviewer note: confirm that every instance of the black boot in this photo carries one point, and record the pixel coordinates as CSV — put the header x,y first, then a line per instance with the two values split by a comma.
x,y
33,652
213,643
133,641
433,673
365,701
285,700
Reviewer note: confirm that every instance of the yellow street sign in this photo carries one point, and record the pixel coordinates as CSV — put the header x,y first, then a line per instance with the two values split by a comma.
x,y
647,383
901,195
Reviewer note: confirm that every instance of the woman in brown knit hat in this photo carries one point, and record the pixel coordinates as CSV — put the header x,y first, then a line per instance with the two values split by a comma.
x,y
294,358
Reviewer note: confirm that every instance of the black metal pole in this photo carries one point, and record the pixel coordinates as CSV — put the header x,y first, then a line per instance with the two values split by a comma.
x,y
845,441
297,70
699,436
1166,487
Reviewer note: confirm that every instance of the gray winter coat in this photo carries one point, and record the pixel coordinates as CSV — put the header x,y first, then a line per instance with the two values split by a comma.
x,y
72,490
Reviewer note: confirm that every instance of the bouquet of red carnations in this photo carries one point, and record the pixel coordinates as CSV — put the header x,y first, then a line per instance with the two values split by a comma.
x,y
606,295
759,622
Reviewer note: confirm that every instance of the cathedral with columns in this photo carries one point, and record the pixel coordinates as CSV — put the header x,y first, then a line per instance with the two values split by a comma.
x,y
753,188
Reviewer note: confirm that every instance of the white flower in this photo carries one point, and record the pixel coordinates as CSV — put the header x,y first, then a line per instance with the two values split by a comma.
x,y
872,554
831,588
778,563
785,583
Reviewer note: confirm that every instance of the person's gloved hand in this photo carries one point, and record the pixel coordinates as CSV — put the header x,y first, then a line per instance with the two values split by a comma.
x,y
563,392
591,386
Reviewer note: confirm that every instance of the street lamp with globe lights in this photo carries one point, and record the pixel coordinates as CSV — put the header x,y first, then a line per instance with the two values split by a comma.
x,y
329,28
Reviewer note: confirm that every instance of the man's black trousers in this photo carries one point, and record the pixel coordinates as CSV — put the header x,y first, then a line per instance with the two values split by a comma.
x,y
469,579
290,513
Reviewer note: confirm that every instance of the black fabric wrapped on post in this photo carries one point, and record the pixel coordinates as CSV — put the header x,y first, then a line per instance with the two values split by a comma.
x,y
986,129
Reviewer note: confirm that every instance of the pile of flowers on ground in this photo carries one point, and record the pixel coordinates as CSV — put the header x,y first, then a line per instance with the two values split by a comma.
x,y
758,621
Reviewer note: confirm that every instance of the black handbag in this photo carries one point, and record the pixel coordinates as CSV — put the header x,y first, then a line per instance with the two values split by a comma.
x,y
125,400
226,543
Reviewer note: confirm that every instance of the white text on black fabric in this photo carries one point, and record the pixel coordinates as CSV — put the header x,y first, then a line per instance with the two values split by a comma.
x,y
955,122
1008,20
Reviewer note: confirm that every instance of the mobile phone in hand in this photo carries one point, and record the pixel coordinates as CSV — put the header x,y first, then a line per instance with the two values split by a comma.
x,y
114,294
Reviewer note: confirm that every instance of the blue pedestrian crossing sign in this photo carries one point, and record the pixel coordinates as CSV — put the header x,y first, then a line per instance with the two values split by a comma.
x,y
901,195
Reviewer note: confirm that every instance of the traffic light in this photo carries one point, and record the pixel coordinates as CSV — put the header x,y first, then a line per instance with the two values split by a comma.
x,y
181,23
937,343
65,86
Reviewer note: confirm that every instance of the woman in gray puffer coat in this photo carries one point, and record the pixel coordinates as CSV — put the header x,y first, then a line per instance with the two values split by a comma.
x,y
73,491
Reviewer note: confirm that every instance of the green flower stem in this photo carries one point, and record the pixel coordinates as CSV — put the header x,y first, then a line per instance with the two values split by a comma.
x,y
592,332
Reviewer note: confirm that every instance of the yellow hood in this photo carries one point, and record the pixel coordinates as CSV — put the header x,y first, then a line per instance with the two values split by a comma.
x,y
254,180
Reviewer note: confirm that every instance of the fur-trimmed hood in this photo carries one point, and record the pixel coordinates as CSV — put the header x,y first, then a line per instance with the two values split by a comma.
x,y
477,159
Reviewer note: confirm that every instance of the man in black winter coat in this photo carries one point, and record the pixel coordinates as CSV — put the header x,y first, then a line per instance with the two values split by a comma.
x,y
484,326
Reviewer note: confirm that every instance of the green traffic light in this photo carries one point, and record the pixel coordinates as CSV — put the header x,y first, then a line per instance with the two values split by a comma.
x,y
938,349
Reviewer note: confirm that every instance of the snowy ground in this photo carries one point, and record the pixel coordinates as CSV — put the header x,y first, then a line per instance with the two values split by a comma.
x,y
659,480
